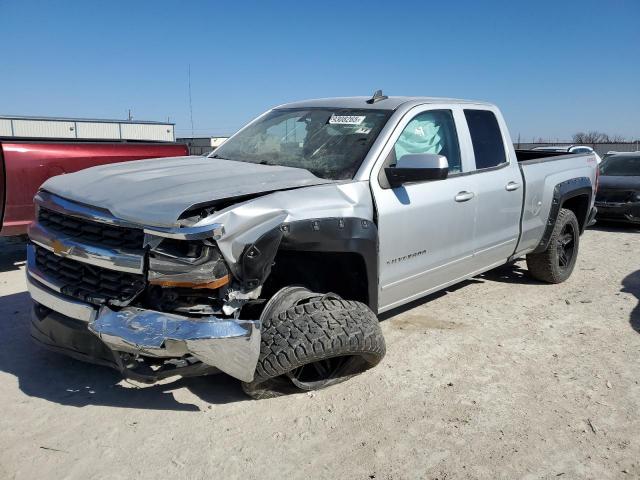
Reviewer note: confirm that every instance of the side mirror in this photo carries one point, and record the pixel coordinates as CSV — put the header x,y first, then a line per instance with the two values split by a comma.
x,y
417,167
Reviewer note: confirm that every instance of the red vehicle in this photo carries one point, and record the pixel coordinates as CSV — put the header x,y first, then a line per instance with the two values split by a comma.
x,y
25,165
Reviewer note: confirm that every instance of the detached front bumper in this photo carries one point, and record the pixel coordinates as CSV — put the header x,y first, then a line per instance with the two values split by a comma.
x,y
230,345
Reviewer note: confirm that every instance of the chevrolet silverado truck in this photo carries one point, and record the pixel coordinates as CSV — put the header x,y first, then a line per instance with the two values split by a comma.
x,y
270,259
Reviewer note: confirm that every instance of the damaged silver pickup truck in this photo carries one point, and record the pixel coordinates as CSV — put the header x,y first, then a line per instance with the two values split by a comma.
x,y
269,259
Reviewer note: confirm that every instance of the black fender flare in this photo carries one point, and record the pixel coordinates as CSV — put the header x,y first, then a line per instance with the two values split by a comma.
x,y
336,235
561,193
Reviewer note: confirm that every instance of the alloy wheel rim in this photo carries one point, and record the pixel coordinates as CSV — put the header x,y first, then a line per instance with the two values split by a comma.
x,y
320,373
566,246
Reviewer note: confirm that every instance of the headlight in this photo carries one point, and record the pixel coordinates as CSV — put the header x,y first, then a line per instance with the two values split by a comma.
x,y
190,264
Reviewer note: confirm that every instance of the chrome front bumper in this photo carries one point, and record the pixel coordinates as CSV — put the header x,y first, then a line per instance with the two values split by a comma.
x,y
231,345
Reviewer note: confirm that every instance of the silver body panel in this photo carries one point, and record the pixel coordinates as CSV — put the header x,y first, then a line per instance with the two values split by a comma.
x,y
244,223
458,240
541,180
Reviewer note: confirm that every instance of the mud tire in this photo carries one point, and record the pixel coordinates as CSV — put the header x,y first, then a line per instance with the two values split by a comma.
x,y
316,331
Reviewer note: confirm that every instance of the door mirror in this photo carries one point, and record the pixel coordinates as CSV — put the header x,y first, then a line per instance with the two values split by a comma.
x,y
417,167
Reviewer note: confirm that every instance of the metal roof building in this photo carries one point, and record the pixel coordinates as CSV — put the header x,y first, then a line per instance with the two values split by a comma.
x,y
12,126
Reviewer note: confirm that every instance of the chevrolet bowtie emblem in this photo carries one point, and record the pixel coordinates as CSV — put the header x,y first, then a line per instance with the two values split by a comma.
x,y
60,248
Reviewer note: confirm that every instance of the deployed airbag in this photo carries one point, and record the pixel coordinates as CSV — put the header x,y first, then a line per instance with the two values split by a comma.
x,y
419,136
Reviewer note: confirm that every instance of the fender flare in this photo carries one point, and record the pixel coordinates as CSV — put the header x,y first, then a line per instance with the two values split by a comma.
x,y
336,235
561,193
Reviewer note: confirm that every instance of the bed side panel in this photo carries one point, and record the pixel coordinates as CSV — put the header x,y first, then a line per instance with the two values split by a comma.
x,y
541,178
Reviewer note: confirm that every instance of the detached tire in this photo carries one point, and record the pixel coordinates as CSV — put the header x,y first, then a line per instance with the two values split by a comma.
x,y
556,263
317,342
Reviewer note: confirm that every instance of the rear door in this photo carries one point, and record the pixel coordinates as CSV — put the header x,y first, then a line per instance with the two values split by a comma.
x,y
499,188
426,229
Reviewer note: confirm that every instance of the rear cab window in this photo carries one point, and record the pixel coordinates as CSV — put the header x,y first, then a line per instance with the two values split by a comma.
x,y
486,137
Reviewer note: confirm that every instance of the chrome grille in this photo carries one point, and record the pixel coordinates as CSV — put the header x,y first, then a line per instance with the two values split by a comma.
x,y
86,282
93,233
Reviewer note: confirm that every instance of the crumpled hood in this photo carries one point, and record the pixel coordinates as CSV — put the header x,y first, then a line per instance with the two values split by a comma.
x,y
157,191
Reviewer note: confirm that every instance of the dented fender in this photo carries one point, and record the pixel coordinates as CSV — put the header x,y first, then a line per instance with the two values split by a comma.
x,y
245,223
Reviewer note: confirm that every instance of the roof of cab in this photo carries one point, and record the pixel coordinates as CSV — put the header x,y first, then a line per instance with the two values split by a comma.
x,y
389,103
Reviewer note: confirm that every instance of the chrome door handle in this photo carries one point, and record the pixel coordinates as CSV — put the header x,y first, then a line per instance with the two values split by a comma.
x,y
464,196
511,186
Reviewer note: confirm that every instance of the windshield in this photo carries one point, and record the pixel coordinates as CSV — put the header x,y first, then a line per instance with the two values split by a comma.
x,y
621,165
330,143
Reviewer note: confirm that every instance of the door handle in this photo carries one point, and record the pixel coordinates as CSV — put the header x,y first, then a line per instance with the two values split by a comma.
x,y
464,196
511,186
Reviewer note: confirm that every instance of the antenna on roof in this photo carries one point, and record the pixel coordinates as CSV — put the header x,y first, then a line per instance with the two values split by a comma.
x,y
377,96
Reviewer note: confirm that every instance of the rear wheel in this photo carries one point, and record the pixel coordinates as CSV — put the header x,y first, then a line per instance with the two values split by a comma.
x,y
312,341
556,263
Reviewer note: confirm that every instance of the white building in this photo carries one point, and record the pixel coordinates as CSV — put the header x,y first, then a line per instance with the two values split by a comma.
x,y
85,129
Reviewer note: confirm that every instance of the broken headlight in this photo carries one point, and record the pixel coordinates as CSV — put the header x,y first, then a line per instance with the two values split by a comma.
x,y
188,264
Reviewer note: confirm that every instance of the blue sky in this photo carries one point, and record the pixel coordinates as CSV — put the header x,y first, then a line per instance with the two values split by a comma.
x,y
554,67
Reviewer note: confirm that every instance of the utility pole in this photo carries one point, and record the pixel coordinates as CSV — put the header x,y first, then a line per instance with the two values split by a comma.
x,y
190,104
129,117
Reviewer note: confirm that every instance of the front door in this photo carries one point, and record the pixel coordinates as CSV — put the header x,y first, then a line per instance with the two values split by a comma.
x,y
426,229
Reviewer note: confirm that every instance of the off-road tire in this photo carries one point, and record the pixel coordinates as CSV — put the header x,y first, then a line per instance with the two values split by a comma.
x,y
320,328
546,265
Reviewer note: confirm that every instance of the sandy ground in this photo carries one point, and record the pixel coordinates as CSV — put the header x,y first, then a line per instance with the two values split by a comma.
x,y
501,377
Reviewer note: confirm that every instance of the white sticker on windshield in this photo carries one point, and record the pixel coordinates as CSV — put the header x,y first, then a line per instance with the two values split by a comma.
x,y
346,119
363,130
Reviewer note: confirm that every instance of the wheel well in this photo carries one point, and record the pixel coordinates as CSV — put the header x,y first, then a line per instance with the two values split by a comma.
x,y
343,273
579,205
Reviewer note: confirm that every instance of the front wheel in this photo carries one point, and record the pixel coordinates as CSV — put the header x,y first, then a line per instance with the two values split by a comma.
x,y
316,342
555,264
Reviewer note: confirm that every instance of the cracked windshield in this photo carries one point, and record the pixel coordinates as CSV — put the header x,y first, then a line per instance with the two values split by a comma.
x,y
329,143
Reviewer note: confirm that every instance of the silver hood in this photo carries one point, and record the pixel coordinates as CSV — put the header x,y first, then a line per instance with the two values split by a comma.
x,y
156,192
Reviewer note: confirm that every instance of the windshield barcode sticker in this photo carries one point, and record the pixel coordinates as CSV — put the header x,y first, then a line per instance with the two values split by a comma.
x,y
346,119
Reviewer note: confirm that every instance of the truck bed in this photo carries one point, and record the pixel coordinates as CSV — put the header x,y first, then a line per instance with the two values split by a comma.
x,y
542,171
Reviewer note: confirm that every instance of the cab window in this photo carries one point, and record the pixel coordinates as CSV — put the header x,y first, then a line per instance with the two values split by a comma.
x,y
486,138
433,131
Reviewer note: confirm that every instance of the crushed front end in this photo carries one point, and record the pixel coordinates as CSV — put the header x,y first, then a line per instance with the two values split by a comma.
x,y
151,302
